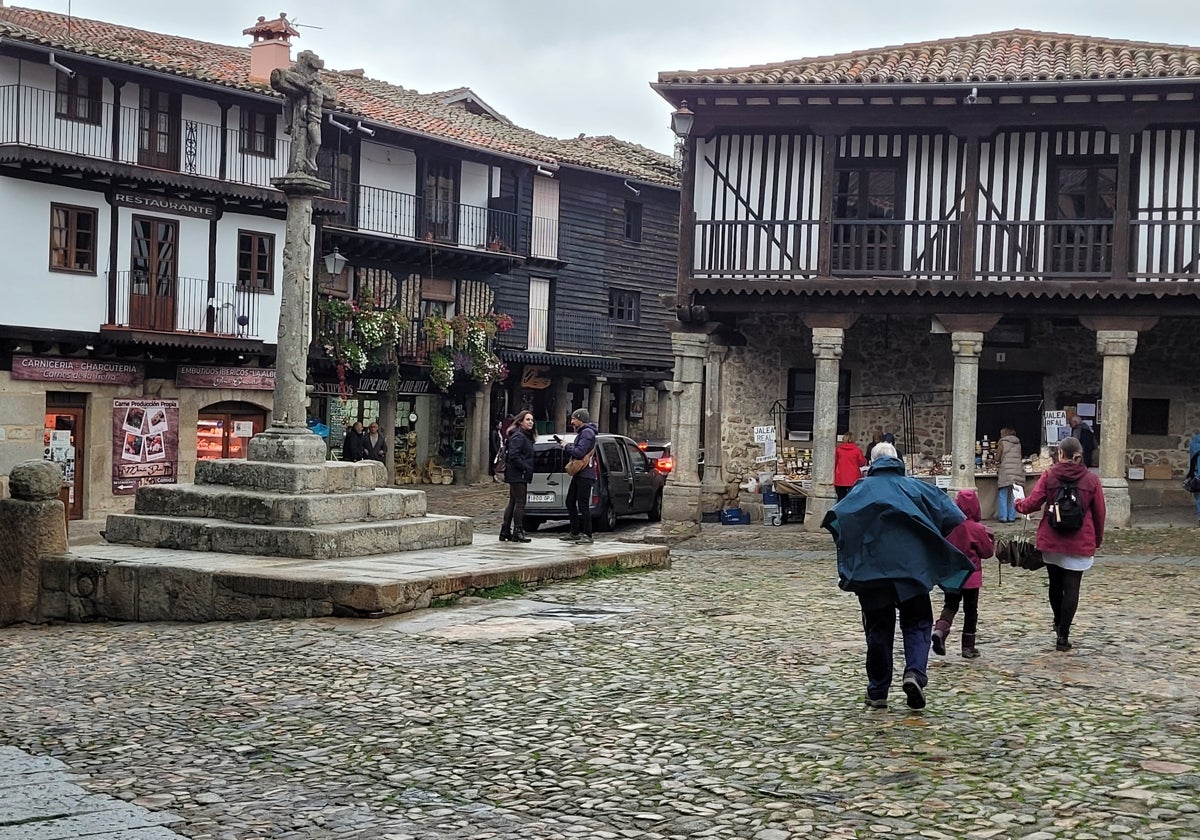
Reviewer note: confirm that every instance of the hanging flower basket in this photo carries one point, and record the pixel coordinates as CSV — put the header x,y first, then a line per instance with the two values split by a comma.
x,y
463,344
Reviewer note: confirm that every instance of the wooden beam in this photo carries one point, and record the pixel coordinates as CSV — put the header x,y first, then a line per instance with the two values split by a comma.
x,y
1120,248
829,146
970,210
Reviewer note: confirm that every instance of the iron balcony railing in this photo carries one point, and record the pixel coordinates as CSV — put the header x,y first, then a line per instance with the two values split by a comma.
x,y
407,216
30,117
158,302
1079,249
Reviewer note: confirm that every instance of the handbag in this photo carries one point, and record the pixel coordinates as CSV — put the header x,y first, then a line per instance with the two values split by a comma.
x,y
1192,484
575,465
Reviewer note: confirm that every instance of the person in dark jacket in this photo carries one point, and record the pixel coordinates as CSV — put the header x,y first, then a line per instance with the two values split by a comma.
x,y
518,472
354,446
1083,433
976,542
891,551
579,494
1067,554
375,444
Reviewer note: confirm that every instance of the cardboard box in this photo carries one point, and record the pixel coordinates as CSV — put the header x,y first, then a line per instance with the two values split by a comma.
x,y
1158,471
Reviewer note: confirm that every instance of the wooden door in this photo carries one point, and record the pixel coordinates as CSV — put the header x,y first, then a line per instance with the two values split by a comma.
x,y
158,130
441,191
153,275
63,438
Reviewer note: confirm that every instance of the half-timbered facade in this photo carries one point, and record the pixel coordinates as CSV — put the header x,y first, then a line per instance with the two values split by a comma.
x,y
145,244
938,240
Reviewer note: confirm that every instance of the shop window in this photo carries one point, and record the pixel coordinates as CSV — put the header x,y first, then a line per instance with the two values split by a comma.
x,y
801,400
256,261
72,238
633,221
78,98
258,132
624,305
1149,416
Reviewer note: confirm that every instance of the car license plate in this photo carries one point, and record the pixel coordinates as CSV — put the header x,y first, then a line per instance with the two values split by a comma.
x,y
533,498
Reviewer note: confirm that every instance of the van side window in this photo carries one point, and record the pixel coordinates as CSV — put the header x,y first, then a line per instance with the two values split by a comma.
x,y
613,462
637,459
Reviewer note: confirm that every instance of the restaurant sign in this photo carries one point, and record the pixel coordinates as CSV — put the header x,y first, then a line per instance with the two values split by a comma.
x,y
200,376
94,371
164,204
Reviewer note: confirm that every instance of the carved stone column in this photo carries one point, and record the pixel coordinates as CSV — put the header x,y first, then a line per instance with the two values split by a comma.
x,y
596,402
561,395
681,497
1116,346
827,350
713,482
967,347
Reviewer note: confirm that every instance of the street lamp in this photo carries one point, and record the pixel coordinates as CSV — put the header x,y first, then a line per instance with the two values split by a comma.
x,y
334,262
681,120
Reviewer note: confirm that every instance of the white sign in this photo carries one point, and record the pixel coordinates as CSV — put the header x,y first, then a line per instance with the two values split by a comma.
x,y
762,459
243,428
762,434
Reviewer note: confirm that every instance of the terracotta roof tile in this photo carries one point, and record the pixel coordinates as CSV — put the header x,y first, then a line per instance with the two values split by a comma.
x,y
1016,55
373,100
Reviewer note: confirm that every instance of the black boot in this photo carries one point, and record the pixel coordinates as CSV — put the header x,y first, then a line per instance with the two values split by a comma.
x,y
1063,642
519,536
968,646
505,535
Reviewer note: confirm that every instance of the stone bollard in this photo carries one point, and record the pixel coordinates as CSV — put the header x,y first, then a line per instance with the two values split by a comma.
x,y
32,526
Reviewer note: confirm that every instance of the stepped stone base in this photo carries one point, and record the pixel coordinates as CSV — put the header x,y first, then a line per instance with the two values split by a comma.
x,y
260,507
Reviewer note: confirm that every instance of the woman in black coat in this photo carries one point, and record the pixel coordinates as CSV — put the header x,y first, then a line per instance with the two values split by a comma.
x,y
518,472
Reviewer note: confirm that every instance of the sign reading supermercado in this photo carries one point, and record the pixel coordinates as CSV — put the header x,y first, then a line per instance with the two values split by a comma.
x,y
51,369
164,204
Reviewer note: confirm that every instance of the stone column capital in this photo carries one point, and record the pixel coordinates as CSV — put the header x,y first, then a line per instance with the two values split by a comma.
x,y
1116,342
689,344
967,346
827,342
599,379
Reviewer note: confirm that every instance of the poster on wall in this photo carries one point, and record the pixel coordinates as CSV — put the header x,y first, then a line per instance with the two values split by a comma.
x,y
145,444
637,403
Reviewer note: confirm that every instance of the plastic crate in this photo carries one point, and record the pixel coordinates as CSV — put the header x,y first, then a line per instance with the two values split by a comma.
x,y
735,516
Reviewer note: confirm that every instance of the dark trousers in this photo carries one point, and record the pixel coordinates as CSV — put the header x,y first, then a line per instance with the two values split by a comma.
x,y
841,491
969,598
1064,596
879,624
514,511
579,499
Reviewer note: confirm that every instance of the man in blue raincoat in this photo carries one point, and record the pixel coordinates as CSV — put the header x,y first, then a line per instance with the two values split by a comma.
x,y
891,549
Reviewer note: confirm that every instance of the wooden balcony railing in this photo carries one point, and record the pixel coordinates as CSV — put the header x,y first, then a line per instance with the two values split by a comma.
x,y
166,303
1158,248
28,117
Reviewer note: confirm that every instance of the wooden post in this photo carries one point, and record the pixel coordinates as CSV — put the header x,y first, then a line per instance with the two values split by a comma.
x,y
829,145
968,222
1120,248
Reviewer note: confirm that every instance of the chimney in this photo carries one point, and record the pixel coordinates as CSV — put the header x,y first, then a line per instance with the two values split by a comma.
x,y
272,47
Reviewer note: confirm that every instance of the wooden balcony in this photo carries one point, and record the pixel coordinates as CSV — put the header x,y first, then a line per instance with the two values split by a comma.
x,y
183,306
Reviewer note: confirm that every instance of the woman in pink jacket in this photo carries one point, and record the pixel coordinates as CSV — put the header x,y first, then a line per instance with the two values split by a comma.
x,y
1068,553
973,539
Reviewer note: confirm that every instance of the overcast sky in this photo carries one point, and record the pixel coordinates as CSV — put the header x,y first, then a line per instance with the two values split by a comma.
x,y
565,67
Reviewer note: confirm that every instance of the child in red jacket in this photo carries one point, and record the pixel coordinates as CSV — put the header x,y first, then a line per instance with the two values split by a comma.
x,y
973,539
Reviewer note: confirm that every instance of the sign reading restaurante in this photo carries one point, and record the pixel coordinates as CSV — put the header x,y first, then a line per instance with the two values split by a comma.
x,y
94,371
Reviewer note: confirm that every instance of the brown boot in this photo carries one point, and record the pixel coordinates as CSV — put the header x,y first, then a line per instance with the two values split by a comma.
x,y
968,646
941,629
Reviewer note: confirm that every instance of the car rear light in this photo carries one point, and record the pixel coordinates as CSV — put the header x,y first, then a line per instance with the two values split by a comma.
x,y
664,465
644,445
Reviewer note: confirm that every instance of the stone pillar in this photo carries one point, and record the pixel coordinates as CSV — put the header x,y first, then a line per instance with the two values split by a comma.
x,y
478,448
562,392
967,346
713,482
32,526
681,497
827,350
596,403
1116,346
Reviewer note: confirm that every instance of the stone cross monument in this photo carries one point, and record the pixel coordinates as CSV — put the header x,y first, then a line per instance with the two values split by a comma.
x,y
288,439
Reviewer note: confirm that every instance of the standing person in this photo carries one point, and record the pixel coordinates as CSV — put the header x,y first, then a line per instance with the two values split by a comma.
x,y
579,495
518,472
375,445
354,446
1083,433
1010,470
976,542
1067,553
497,442
1193,458
891,551
848,461
876,438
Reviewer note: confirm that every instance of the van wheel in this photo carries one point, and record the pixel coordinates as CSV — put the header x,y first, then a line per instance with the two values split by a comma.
x,y
655,512
530,524
607,520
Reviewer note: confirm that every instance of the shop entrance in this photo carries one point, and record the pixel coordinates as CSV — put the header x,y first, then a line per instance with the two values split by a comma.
x,y
62,435
343,414
223,430
1010,398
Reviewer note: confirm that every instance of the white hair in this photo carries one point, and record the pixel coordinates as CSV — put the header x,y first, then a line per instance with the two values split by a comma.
x,y
883,450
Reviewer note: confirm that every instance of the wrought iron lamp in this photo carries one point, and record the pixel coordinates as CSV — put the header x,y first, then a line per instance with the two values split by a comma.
x,y
334,262
682,120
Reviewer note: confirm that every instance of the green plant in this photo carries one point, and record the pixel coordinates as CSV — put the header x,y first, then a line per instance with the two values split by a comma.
x,y
356,333
464,343
504,590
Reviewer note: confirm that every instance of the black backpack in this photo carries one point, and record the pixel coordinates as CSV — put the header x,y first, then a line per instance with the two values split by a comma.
x,y
1065,512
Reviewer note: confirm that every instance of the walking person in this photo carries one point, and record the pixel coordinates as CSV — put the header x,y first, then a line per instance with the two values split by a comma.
x,y
848,461
1010,470
1083,433
891,551
1193,458
375,444
579,494
354,445
1068,552
976,542
518,472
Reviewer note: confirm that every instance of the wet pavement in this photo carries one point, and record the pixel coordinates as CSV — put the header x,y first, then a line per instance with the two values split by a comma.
x,y
719,698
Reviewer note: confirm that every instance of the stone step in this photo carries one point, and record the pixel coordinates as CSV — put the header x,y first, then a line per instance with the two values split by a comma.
x,y
327,477
262,507
322,542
